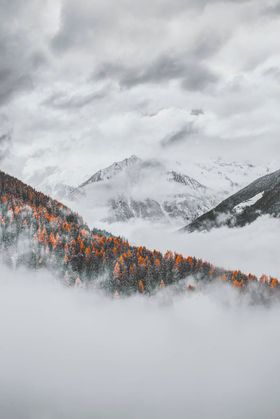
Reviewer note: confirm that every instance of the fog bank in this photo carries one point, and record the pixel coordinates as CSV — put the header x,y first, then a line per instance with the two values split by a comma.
x,y
72,353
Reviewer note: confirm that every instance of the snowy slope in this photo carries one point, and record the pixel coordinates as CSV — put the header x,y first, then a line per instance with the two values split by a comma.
x,y
258,198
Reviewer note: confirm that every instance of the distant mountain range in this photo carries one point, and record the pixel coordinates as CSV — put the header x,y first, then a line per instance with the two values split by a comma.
x,y
148,189
258,198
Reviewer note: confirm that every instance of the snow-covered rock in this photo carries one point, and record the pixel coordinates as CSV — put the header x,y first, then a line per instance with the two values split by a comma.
x,y
258,198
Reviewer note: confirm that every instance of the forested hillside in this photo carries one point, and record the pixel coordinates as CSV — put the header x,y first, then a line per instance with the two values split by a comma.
x,y
39,232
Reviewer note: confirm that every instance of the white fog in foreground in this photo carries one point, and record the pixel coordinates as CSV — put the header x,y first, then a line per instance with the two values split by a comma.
x,y
68,353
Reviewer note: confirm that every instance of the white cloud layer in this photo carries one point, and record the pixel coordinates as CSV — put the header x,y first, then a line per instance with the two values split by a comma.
x,y
68,353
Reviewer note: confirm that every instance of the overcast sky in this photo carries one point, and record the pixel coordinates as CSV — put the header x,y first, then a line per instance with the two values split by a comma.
x,y
84,83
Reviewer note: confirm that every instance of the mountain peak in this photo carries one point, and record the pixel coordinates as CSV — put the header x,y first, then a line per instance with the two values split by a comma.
x,y
112,170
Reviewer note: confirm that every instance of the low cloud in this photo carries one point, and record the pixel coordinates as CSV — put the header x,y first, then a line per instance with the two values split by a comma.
x,y
68,353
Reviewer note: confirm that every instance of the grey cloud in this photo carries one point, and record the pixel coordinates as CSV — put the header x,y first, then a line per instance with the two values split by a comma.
x,y
192,74
178,137
61,100
197,112
208,43
76,26
273,72
5,144
203,3
199,77
5,137
19,57
13,76
273,10
88,23
12,83
163,69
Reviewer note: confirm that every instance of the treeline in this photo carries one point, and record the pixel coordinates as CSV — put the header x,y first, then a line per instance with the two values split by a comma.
x,y
37,231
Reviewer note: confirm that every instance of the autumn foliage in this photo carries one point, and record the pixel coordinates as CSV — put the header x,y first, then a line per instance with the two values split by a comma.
x,y
54,237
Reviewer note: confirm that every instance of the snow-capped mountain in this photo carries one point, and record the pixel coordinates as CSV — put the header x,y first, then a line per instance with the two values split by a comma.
x,y
258,198
111,171
136,188
146,189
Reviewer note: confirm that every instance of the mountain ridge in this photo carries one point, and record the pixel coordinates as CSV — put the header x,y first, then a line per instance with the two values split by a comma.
x,y
110,171
239,209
